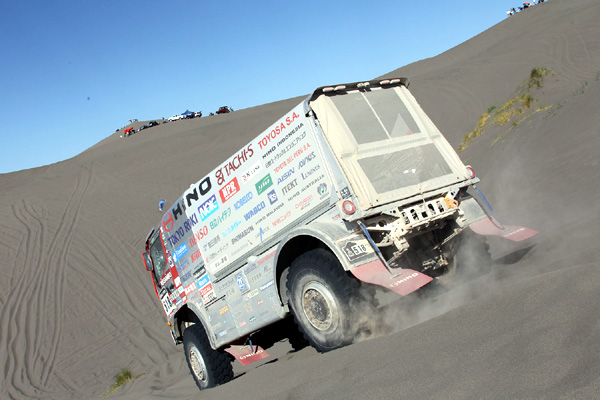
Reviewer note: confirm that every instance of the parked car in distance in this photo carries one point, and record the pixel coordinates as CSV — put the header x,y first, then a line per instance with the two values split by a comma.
x,y
198,114
152,123
176,117
141,128
224,110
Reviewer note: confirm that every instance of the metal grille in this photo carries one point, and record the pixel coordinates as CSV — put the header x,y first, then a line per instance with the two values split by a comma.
x,y
423,212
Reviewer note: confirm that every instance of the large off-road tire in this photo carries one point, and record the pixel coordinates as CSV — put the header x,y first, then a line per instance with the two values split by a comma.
x,y
324,300
209,367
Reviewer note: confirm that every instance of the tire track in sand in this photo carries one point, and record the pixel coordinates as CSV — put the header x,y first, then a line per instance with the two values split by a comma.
x,y
32,318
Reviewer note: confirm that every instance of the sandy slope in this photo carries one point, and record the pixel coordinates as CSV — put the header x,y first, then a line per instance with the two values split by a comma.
x,y
76,304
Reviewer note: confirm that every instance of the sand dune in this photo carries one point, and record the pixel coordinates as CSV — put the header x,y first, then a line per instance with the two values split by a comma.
x,y
77,305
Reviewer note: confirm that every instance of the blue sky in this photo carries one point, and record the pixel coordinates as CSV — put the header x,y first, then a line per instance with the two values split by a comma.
x,y
72,72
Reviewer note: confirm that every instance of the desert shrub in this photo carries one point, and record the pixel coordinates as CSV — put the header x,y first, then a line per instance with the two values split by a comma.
x,y
124,375
536,77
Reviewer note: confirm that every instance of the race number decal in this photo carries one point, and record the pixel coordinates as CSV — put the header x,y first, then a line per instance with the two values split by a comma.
x,y
166,302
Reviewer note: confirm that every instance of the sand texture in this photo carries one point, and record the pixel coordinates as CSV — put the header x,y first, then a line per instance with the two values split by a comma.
x,y
76,304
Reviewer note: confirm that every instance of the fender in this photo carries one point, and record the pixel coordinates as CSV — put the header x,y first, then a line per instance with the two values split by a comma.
x,y
196,311
335,237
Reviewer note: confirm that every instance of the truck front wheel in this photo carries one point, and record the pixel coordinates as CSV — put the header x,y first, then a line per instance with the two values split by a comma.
x,y
209,367
321,297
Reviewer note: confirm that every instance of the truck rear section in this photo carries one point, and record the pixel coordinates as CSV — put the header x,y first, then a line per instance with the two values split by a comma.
x,y
353,190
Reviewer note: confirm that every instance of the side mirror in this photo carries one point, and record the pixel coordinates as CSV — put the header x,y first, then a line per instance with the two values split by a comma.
x,y
148,262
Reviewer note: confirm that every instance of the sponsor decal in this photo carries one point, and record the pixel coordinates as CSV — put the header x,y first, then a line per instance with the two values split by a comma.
x,y
266,258
190,196
242,324
255,277
242,234
186,276
203,281
266,285
220,262
285,176
257,208
264,184
322,189
194,257
401,281
289,186
166,278
232,228
207,208
212,242
198,235
229,190
234,163
176,236
205,290
239,278
305,160
304,203
282,218
173,296
311,183
199,272
217,221
251,268
168,222
277,130
177,282
252,319
293,196
222,333
252,171
190,288
260,302
280,154
345,193
247,197
310,171
223,310
272,197
354,251
217,251
250,295
180,252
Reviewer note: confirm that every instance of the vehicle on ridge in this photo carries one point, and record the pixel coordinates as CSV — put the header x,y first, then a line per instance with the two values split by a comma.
x,y
224,110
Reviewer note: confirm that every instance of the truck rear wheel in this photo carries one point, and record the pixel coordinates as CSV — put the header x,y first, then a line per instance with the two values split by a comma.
x,y
209,367
321,297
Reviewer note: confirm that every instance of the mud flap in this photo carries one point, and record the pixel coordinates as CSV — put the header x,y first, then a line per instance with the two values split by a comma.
x,y
487,227
247,354
404,282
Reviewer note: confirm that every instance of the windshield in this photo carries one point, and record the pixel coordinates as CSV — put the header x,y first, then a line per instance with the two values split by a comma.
x,y
158,257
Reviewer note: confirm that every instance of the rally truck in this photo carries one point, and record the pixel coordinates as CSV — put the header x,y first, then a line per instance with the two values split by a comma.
x,y
352,190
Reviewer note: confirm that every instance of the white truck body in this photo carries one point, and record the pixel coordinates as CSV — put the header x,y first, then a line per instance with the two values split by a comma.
x,y
358,169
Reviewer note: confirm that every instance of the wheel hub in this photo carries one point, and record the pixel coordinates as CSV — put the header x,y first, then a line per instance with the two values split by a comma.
x,y
197,363
319,306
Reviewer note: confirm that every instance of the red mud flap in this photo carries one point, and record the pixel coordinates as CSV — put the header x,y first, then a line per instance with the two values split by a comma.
x,y
247,354
403,283
487,227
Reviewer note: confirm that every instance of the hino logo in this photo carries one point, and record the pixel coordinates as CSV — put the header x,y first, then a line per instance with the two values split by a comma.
x,y
401,281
